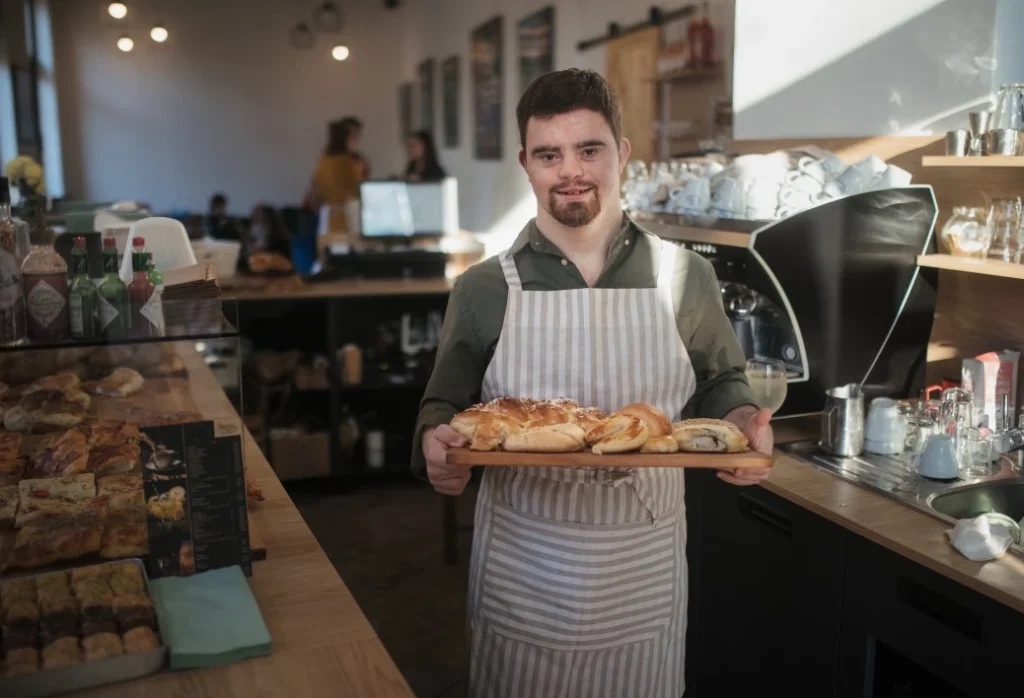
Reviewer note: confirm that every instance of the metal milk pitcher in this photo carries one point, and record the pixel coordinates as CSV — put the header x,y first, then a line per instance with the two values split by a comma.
x,y
842,421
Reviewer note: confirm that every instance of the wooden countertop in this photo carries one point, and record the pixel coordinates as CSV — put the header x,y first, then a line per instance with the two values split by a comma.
x,y
323,644
292,287
903,530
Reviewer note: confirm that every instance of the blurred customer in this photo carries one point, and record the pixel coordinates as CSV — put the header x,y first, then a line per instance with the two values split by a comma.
x,y
337,175
423,164
267,232
354,124
219,225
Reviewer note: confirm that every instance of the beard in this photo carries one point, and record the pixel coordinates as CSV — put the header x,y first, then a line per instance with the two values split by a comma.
x,y
575,214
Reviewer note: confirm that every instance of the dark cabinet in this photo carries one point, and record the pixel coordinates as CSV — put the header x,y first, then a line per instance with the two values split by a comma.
x,y
910,632
765,594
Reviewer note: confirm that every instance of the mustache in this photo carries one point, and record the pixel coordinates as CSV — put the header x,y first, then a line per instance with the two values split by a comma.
x,y
579,184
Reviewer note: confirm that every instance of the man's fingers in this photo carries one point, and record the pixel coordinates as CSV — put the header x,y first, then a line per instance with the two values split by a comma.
x,y
449,437
732,479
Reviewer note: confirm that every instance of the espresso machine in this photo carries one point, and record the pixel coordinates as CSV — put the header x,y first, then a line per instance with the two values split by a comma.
x,y
834,292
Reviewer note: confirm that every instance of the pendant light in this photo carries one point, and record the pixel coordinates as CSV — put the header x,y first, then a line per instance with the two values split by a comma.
x,y
125,44
327,17
301,37
117,10
339,53
159,33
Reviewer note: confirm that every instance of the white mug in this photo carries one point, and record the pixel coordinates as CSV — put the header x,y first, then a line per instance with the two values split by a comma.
x,y
884,432
696,196
892,177
830,162
798,181
856,178
812,168
729,196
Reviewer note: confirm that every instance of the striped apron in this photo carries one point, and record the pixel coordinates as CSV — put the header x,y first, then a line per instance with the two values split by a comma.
x,y
578,576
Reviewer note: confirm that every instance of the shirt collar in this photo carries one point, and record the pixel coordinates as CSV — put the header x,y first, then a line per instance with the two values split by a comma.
x,y
532,237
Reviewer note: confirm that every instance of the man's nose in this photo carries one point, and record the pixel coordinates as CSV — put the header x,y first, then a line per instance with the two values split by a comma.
x,y
572,168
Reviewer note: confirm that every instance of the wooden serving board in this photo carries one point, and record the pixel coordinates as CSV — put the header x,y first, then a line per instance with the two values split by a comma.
x,y
585,459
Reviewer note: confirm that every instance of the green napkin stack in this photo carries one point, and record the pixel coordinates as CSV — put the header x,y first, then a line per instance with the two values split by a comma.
x,y
209,619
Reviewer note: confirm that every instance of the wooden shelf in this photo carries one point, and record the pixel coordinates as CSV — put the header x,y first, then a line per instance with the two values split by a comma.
x,y
972,161
989,267
689,75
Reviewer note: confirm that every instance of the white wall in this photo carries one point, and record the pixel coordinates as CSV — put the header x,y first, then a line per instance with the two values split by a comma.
x,y
807,68
224,104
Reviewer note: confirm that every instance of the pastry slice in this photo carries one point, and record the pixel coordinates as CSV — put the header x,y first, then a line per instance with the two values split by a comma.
x,y
21,662
67,454
588,417
492,433
518,409
466,422
660,444
654,419
9,496
65,382
122,382
125,535
557,438
124,493
709,436
62,652
609,427
102,645
141,639
54,497
113,446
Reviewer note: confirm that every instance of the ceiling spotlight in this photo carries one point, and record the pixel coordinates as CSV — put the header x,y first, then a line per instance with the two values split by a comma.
x,y
125,44
339,53
117,10
158,34
301,36
328,17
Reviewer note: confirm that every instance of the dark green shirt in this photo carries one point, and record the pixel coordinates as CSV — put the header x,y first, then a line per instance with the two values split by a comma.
x,y
476,311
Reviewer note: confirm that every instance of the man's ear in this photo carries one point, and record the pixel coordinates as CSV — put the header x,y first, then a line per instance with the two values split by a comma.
x,y
522,157
624,151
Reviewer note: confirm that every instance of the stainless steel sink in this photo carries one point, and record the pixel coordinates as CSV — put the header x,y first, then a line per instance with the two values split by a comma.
x,y
968,501
948,501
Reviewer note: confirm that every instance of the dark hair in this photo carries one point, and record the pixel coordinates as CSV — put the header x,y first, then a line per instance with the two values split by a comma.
x,y
564,91
352,121
337,137
218,200
430,161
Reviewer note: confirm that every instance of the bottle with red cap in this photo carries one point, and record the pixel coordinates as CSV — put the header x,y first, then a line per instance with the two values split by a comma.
x,y
115,309
83,297
147,314
44,274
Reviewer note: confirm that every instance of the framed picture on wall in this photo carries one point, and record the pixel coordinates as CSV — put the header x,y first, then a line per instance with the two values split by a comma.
x,y
405,108
487,65
535,35
426,80
450,100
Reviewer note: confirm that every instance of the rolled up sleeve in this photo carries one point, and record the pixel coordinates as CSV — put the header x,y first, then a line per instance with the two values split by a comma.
x,y
458,373
718,360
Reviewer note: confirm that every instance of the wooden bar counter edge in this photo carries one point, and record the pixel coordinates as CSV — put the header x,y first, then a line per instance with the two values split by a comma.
x,y
323,644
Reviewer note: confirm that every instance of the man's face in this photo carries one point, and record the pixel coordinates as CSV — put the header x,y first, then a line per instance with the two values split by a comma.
x,y
574,164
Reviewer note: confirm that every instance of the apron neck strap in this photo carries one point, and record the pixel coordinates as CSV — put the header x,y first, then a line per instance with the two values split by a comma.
x,y
666,268
508,268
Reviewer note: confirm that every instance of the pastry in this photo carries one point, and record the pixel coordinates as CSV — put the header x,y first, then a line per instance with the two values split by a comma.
x,y
141,639
253,492
64,382
134,611
122,382
53,496
515,408
65,537
609,427
547,414
102,645
492,432
655,420
629,438
44,411
588,417
10,447
113,446
125,535
66,454
173,366
123,492
9,496
709,436
466,422
21,661
126,579
61,652
660,444
557,438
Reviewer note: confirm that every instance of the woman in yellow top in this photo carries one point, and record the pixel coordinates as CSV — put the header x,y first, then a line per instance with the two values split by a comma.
x,y
337,174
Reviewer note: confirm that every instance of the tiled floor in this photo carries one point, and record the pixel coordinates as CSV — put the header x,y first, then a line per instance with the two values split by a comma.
x,y
385,541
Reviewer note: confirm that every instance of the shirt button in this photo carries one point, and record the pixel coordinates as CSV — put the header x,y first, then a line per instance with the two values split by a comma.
x,y
565,262
626,242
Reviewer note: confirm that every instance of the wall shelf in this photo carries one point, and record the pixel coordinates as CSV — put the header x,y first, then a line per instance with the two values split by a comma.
x,y
972,161
989,267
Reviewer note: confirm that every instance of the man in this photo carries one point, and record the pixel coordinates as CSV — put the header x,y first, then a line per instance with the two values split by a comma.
x,y
578,576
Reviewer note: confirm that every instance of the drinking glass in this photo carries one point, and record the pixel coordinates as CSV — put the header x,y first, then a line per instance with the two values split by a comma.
x,y
966,233
973,453
1009,111
1004,229
768,382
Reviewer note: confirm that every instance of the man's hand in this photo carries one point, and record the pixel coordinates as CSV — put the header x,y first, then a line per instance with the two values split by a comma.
x,y
446,479
756,426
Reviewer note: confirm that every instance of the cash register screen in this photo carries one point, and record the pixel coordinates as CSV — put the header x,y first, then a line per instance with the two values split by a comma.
x,y
404,209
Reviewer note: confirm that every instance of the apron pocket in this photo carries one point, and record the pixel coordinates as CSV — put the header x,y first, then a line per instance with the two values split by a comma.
x,y
567,586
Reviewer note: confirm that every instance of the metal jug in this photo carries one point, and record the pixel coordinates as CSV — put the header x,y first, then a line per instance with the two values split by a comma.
x,y
842,421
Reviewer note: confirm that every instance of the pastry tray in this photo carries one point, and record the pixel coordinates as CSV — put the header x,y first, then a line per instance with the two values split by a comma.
x,y
89,674
587,459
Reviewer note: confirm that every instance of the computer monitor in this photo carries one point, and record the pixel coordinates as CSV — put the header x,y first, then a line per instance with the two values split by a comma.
x,y
404,209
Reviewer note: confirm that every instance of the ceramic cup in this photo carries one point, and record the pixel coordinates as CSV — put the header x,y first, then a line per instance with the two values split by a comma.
x,y
696,196
857,177
884,432
830,162
729,196
938,460
892,177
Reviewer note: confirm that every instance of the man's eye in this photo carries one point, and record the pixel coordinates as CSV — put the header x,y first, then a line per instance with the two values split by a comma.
x,y
589,152
548,157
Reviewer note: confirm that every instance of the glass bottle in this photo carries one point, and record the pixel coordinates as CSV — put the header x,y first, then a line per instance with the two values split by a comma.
x,y
141,291
12,295
83,298
44,276
1004,229
155,275
115,309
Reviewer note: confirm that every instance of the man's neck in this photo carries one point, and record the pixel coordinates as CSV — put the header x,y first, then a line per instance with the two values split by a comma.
x,y
584,243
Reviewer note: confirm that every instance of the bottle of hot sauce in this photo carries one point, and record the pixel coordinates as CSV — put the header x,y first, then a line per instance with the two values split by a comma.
x,y
701,36
83,297
44,274
141,291
114,306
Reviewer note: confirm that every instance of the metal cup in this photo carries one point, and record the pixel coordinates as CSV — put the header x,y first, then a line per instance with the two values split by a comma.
x,y
1004,141
842,421
957,142
980,122
976,146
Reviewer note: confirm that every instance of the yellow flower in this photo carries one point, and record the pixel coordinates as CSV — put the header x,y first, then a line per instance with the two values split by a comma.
x,y
25,169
